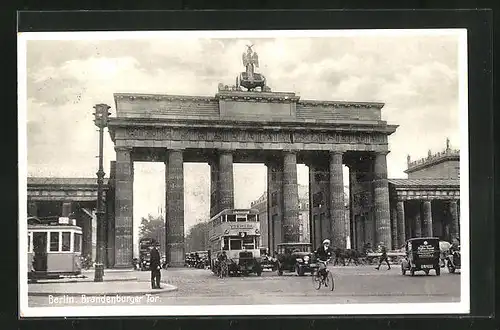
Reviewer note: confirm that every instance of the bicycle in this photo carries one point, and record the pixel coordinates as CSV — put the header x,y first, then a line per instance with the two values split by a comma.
x,y
326,279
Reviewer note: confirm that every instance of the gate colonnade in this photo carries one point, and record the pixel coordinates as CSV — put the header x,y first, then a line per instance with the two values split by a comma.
x,y
277,129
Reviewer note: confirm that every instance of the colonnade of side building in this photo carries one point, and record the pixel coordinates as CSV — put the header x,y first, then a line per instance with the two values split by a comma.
x,y
414,218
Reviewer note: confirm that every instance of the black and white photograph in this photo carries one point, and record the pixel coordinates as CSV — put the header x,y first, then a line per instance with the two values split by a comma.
x,y
278,172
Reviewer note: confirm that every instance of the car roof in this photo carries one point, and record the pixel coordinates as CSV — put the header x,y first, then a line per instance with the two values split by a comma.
x,y
423,239
285,244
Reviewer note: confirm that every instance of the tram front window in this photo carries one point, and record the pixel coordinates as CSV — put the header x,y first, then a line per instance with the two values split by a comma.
x,y
231,218
235,244
66,241
252,217
78,243
54,241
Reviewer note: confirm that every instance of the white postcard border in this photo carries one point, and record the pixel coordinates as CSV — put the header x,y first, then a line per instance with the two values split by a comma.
x,y
461,307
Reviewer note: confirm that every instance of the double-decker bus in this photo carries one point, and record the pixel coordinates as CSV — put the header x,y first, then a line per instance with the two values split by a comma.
x,y
236,231
144,251
54,247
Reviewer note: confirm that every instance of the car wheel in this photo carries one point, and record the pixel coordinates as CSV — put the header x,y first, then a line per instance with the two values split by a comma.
x,y
451,269
300,270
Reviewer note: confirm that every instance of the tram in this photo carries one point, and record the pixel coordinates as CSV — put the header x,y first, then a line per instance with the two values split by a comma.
x,y
237,232
54,247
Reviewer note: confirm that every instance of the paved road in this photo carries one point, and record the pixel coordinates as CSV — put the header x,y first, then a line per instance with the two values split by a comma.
x,y
361,284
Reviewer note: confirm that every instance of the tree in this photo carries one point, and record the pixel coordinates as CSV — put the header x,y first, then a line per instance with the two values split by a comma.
x,y
197,238
153,227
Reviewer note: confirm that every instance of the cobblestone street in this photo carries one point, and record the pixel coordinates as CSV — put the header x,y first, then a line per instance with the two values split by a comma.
x,y
362,284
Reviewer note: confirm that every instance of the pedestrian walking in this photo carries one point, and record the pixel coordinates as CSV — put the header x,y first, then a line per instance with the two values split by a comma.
x,y
223,265
383,257
155,267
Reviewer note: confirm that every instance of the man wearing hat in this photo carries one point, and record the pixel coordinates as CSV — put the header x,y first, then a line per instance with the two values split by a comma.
x,y
324,253
383,257
155,266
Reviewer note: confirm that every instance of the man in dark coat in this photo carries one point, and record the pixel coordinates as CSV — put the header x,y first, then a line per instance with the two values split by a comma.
x,y
155,266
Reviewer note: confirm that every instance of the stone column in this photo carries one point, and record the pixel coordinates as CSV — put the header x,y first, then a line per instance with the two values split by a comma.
x,y
290,223
110,214
32,209
363,237
394,226
454,226
174,226
354,234
381,192
312,224
124,208
337,208
226,187
66,209
427,218
214,190
401,239
274,202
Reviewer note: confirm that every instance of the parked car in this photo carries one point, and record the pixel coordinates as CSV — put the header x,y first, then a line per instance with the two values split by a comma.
x,y
267,262
422,254
296,257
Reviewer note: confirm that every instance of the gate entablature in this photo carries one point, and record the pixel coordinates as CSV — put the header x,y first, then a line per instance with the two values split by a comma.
x,y
243,106
247,121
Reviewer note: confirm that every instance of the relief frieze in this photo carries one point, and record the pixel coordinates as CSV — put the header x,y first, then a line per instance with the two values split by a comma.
x,y
193,134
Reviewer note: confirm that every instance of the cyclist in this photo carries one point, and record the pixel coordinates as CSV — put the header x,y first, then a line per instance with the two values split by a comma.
x,y
455,245
324,253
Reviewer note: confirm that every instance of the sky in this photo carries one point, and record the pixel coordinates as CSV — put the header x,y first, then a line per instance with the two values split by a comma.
x,y
416,77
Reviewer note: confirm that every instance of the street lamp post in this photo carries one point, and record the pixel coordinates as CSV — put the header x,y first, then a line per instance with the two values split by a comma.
x,y
101,120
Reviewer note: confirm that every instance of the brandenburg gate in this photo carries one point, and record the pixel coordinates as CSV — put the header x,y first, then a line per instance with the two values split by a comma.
x,y
249,123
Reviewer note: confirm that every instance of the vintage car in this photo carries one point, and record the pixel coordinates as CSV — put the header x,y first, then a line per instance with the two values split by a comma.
x,y
422,254
144,262
248,264
267,261
296,257
244,264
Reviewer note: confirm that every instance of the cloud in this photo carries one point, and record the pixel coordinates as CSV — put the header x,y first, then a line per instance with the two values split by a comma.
x,y
416,78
